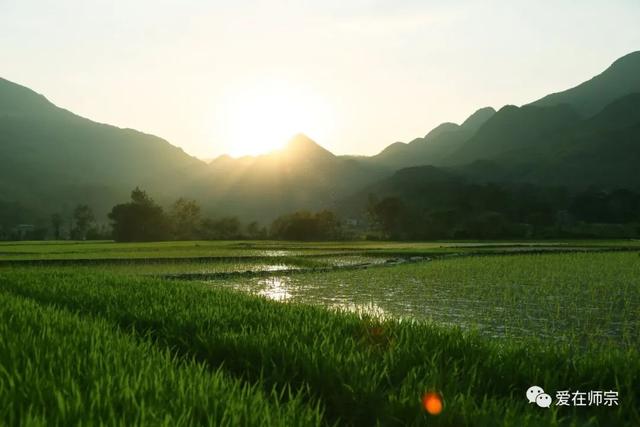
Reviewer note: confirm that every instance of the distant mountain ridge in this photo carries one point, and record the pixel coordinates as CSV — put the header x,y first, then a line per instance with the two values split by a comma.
x,y
302,175
448,145
601,151
513,128
590,97
436,147
52,159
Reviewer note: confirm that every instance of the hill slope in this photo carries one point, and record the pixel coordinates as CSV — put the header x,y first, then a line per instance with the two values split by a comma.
x,y
552,146
51,158
512,129
588,98
303,175
436,147
487,134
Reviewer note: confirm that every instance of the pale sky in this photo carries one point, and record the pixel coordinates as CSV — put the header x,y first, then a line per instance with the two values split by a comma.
x,y
355,75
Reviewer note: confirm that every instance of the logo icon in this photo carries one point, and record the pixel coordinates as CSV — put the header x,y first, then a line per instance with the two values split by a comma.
x,y
543,400
536,394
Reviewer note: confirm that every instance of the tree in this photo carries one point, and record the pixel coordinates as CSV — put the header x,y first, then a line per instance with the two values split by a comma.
x,y
296,226
140,220
487,225
254,231
140,197
590,206
623,206
386,214
304,225
83,218
227,228
328,225
56,224
185,218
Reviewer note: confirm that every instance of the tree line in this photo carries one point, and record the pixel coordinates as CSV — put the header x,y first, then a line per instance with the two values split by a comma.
x,y
458,210
142,219
437,210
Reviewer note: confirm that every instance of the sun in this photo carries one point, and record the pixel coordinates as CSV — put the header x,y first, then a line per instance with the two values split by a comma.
x,y
260,118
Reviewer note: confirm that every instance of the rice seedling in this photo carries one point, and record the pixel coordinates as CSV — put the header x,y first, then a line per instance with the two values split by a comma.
x,y
362,370
59,369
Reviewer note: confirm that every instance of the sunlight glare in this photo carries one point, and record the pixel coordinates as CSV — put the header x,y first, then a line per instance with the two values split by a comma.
x,y
261,118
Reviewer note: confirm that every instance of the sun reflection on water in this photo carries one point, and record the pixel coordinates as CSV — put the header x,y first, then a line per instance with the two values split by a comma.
x,y
275,288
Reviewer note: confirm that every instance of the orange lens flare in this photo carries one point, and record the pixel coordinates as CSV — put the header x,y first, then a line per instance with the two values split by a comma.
x,y
432,403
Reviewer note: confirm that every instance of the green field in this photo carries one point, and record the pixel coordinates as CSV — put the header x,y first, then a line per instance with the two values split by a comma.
x,y
273,333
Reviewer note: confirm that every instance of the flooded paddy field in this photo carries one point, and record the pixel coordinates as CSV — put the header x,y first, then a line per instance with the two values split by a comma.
x,y
561,291
560,297
350,333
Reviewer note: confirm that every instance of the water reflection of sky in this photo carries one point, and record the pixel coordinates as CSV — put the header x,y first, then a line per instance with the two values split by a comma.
x,y
275,288
278,253
281,288
506,309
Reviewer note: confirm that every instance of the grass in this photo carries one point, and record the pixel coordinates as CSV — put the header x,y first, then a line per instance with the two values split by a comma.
x,y
362,370
195,249
58,369
94,331
110,250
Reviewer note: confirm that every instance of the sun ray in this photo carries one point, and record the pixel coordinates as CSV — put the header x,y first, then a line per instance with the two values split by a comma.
x,y
261,118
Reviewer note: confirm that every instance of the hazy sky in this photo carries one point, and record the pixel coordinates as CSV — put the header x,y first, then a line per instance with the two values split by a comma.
x,y
355,75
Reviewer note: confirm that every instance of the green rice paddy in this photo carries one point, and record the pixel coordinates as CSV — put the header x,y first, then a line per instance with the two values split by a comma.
x,y
271,333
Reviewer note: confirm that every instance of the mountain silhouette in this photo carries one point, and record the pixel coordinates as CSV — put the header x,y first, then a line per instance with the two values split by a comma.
x,y
302,175
435,147
588,98
477,119
513,128
301,147
601,151
52,159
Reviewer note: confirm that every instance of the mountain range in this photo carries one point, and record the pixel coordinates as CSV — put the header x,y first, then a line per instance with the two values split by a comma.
x,y
52,159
